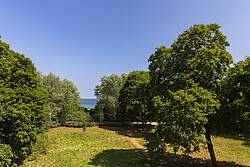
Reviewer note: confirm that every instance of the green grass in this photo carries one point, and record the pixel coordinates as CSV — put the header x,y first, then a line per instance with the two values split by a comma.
x,y
112,148
95,147
229,152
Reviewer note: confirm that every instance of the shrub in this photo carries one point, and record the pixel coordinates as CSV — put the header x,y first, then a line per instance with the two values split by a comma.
x,y
6,155
23,101
63,98
78,118
40,146
52,124
85,120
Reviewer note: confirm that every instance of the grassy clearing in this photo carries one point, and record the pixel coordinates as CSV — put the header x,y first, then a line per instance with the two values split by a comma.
x,y
95,147
113,148
228,150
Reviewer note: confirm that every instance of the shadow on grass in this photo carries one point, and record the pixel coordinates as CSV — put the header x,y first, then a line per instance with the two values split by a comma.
x,y
247,142
130,131
139,158
119,158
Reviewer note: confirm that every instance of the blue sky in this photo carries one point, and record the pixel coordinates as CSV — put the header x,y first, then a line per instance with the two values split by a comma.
x,y
82,40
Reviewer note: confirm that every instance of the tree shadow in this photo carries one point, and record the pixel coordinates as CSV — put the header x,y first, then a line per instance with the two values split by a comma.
x,y
119,158
130,131
247,142
139,158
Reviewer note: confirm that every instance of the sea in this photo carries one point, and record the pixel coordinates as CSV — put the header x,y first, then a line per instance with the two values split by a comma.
x,y
88,103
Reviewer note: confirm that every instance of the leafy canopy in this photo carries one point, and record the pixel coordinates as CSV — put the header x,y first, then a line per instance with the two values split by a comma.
x,y
22,102
134,97
235,97
63,99
186,80
107,93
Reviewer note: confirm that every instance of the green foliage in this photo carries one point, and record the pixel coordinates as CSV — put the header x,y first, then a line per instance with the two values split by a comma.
x,y
134,97
161,69
236,99
85,121
198,56
6,155
183,117
107,93
63,98
78,118
95,115
185,79
23,102
39,147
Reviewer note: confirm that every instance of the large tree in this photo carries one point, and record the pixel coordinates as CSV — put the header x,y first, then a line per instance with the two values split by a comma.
x,y
107,93
134,97
184,117
22,102
198,58
235,113
63,98
53,87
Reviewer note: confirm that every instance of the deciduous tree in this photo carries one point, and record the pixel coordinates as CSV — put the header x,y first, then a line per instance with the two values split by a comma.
x,y
22,102
63,98
197,58
134,98
235,112
107,93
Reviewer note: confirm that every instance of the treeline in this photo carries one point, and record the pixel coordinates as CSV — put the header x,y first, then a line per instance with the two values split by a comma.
x,y
64,102
30,103
192,89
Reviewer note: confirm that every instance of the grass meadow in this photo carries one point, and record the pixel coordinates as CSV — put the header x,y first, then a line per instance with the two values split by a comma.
x,y
107,147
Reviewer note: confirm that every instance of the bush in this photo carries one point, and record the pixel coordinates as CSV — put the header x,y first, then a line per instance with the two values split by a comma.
x,y
95,115
6,155
73,124
52,124
78,118
23,101
85,120
63,98
39,147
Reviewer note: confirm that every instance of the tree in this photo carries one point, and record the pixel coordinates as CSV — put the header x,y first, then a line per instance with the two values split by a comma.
x,y
197,58
63,98
78,118
235,112
22,102
53,87
134,97
107,93
184,116
71,100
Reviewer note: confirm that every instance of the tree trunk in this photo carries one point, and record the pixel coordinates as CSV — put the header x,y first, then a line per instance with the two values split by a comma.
x,y
210,147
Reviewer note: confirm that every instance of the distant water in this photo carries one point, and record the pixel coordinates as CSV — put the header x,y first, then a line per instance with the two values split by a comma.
x,y
88,103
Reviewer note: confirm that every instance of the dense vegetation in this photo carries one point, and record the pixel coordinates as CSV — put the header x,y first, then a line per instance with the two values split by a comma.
x,y
133,98
107,93
235,95
28,103
191,91
63,102
23,103
191,71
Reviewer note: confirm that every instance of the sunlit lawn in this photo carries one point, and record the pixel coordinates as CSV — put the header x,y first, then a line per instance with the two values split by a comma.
x,y
107,148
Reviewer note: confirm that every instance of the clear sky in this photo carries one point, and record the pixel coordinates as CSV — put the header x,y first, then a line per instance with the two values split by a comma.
x,y
82,40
